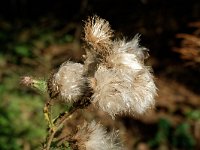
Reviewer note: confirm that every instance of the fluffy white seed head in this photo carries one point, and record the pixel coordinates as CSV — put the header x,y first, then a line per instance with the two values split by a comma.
x,y
120,60
68,82
123,84
94,137
131,47
143,91
98,34
108,91
124,90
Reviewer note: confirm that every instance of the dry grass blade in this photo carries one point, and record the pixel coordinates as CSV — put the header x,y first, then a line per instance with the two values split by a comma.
x,y
190,45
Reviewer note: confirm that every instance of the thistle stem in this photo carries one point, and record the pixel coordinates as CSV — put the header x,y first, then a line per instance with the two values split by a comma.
x,y
60,122
47,114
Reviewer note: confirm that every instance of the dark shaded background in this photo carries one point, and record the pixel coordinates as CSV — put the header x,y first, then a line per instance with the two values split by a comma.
x,y
156,20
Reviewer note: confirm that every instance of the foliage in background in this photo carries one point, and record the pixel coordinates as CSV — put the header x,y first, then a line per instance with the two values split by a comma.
x,y
27,41
21,118
166,136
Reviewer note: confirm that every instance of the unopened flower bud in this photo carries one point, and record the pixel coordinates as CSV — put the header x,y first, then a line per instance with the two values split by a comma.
x,y
38,84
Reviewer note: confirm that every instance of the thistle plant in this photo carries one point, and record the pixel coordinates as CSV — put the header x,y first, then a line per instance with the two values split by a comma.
x,y
113,78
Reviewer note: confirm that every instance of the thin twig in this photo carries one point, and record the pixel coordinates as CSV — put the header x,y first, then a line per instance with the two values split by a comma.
x,y
53,131
61,119
47,114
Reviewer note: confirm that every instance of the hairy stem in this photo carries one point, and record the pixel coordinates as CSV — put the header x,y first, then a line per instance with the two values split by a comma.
x,y
61,121
47,114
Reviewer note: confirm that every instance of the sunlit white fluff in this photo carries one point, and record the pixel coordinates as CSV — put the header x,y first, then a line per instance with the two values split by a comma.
x,y
124,60
70,81
124,90
143,92
123,83
131,47
94,137
108,91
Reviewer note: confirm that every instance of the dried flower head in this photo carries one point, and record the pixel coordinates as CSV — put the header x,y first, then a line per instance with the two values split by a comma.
x,y
94,137
124,90
131,47
68,83
120,60
123,84
98,35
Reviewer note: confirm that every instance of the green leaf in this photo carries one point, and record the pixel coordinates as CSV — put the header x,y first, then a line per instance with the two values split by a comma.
x,y
194,114
183,138
22,50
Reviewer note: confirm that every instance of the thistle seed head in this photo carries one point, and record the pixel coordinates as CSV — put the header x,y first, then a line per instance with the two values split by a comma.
x,y
131,47
120,60
124,90
94,137
98,35
68,83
